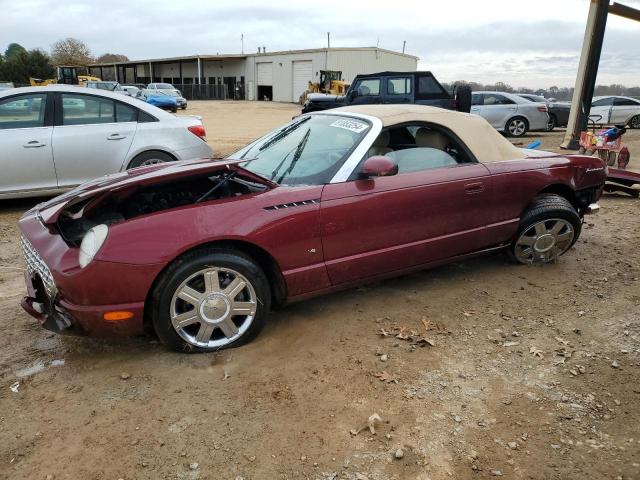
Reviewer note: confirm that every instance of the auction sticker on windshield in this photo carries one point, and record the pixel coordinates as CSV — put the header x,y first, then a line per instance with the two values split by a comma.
x,y
351,125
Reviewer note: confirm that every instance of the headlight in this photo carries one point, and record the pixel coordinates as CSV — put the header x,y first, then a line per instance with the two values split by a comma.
x,y
91,243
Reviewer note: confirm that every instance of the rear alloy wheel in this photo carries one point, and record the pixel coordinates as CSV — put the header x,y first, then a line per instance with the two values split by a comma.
x,y
635,122
150,158
516,127
548,228
211,301
552,123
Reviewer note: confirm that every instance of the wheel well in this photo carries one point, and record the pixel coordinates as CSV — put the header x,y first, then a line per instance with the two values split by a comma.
x,y
263,258
561,190
150,151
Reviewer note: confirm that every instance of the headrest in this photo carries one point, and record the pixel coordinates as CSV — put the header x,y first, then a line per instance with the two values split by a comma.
x,y
431,139
383,139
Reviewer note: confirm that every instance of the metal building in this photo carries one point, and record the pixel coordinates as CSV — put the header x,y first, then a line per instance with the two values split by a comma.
x,y
278,76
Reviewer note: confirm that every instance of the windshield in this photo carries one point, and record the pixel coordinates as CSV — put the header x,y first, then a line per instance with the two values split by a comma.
x,y
164,86
307,151
535,98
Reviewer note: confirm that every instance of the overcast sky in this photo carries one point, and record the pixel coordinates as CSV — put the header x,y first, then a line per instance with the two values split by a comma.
x,y
526,44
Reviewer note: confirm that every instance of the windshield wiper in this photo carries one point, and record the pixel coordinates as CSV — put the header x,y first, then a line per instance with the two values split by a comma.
x,y
216,187
297,155
281,134
298,151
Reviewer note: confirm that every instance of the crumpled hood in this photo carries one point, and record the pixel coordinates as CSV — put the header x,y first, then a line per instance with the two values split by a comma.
x,y
50,210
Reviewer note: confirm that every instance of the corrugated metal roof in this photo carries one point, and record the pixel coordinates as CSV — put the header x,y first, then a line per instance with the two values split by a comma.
x,y
246,55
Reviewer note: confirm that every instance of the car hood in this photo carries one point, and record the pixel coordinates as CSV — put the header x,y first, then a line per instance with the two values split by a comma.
x,y
49,211
323,97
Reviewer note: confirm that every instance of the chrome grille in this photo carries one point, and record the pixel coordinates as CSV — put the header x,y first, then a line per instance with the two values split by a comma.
x,y
35,264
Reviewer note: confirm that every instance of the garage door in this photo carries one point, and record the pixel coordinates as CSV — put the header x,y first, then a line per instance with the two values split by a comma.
x,y
302,75
265,74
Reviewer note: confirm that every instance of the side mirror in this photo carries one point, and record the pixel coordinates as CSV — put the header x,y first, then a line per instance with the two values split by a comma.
x,y
351,94
378,166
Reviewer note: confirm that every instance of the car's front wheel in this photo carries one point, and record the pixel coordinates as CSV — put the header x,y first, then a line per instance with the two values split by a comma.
x,y
210,299
516,127
548,228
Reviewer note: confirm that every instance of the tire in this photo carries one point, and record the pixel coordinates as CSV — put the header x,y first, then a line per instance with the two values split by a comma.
x,y
553,123
634,122
548,228
463,98
516,127
150,158
185,279
183,108
174,110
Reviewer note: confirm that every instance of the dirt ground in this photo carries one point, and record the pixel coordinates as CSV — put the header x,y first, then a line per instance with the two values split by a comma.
x,y
533,372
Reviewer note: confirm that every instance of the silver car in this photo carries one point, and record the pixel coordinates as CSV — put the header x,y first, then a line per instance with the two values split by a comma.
x,y
615,110
56,137
510,113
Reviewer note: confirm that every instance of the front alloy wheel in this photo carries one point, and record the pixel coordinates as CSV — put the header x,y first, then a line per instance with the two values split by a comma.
x,y
544,241
213,307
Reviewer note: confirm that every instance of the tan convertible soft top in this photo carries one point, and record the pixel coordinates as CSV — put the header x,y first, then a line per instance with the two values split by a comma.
x,y
482,139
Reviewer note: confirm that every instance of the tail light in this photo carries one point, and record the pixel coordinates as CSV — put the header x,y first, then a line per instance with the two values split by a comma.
x,y
543,108
198,131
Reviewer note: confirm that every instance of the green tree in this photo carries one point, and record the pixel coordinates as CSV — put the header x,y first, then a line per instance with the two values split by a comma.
x,y
13,50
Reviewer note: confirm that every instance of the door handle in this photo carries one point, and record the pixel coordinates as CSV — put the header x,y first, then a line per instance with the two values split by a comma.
x,y
475,187
34,144
116,136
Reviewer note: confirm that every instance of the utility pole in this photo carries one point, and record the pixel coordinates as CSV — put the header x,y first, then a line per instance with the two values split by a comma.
x,y
328,39
404,44
242,43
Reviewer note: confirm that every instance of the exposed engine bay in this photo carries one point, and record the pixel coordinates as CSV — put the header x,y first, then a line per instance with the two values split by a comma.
x,y
119,206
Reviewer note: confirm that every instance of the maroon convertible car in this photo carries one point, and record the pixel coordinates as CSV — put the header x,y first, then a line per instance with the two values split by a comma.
x,y
199,251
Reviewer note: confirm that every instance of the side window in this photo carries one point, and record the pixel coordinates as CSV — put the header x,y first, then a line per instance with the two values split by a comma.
x,y
603,102
144,117
496,99
23,111
429,88
370,86
476,99
125,113
86,109
419,147
625,102
399,86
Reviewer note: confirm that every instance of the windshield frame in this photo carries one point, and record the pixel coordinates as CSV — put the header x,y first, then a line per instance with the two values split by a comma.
x,y
351,159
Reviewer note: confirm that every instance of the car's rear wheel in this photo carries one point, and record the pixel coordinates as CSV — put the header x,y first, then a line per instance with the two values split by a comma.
x,y
552,123
516,127
635,121
548,228
150,158
209,300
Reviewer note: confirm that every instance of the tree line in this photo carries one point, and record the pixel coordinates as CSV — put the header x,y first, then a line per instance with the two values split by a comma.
x,y
559,93
18,64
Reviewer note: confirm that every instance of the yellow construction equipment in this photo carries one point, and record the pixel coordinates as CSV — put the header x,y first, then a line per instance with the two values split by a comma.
x,y
330,82
67,75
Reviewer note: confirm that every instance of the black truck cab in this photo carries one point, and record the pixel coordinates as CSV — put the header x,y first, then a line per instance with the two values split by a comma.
x,y
419,88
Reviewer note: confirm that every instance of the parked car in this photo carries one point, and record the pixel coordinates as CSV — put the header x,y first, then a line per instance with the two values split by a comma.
x,y
558,111
53,138
615,110
105,85
6,85
131,90
170,90
509,113
420,88
203,249
158,99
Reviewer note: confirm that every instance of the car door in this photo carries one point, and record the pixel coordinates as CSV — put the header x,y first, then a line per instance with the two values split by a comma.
x,y
623,109
367,91
600,112
398,90
375,226
91,137
26,156
497,109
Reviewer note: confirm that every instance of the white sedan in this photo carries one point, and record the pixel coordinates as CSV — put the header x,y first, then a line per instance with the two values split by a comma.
x,y
510,113
613,110
56,137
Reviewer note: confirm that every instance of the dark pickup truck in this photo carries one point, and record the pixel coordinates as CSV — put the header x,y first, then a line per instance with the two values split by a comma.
x,y
420,88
